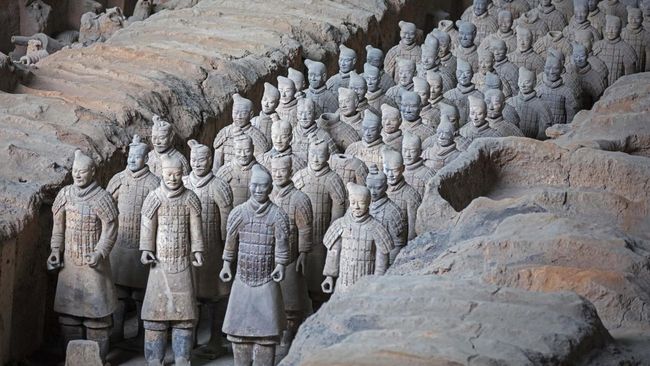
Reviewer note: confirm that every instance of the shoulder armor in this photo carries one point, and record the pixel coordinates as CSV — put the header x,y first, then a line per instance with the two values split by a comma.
x,y
333,233
151,204
115,183
222,191
60,200
104,206
193,201
222,136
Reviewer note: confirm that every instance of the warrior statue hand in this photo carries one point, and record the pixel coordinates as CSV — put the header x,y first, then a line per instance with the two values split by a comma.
x,y
198,259
226,273
54,260
301,263
278,273
93,259
147,257
328,285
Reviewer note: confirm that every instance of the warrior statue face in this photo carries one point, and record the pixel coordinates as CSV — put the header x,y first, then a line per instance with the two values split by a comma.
x,y
422,89
612,29
405,73
281,135
526,83
445,134
524,40
375,59
592,4
504,20
495,103
201,163
287,92
407,34
411,153
161,140
464,76
172,177
391,122
281,171
372,79
358,86
553,69
269,103
410,106
580,13
579,56
305,113
477,114
634,19
359,204
452,115
429,56
485,62
346,63
243,151
645,8
348,104
377,186
394,170
480,7
241,115
370,130
260,187
444,45
316,77
83,173
435,87
500,51
318,156
466,35
137,159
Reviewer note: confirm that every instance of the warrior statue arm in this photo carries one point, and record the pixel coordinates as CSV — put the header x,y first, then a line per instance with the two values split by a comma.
x,y
58,240
384,247
304,223
231,244
148,229
106,242
197,245
223,197
381,263
282,254
331,269
338,193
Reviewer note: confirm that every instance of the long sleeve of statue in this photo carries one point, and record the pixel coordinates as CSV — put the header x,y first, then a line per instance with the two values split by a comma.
x,y
281,233
58,228
232,235
304,221
196,230
332,242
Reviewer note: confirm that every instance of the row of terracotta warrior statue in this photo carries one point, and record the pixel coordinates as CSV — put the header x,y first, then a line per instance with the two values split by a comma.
x,y
323,186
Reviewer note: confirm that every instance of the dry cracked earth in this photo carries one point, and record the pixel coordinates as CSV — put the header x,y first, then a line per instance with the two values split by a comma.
x,y
528,252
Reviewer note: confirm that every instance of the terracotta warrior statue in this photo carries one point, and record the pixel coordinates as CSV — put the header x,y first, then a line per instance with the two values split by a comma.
x,y
525,55
216,198
566,7
478,125
410,113
430,56
307,126
357,244
129,188
531,21
257,238
281,134
515,7
596,17
592,83
237,172
386,211
399,191
404,74
342,133
458,96
349,108
467,49
444,149
298,79
83,234
619,57
586,39
486,66
324,98
327,194
371,145
349,168
421,88
375,95
242,111
548,13
375,57
347,63
506,70
505,33
493,82
580,21
534,114
171,241
447,27
559,97
431,115
447,58
162,139
637,37
359,86
416,173
469,12
297,206
264,120
553,39
288,103
485,23
495,101
406,49
391,121
614,8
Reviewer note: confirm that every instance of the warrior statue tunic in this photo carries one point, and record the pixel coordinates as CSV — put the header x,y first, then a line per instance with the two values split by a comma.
x,y
356,247
257,239
238,177
85,221
216,203
130,189
225,142
171,229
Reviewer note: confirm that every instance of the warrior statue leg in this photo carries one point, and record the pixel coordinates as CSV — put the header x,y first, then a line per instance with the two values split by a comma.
x,y
99,330
155,338
263,355
119,314
182,341
71,329
214,348
243,354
